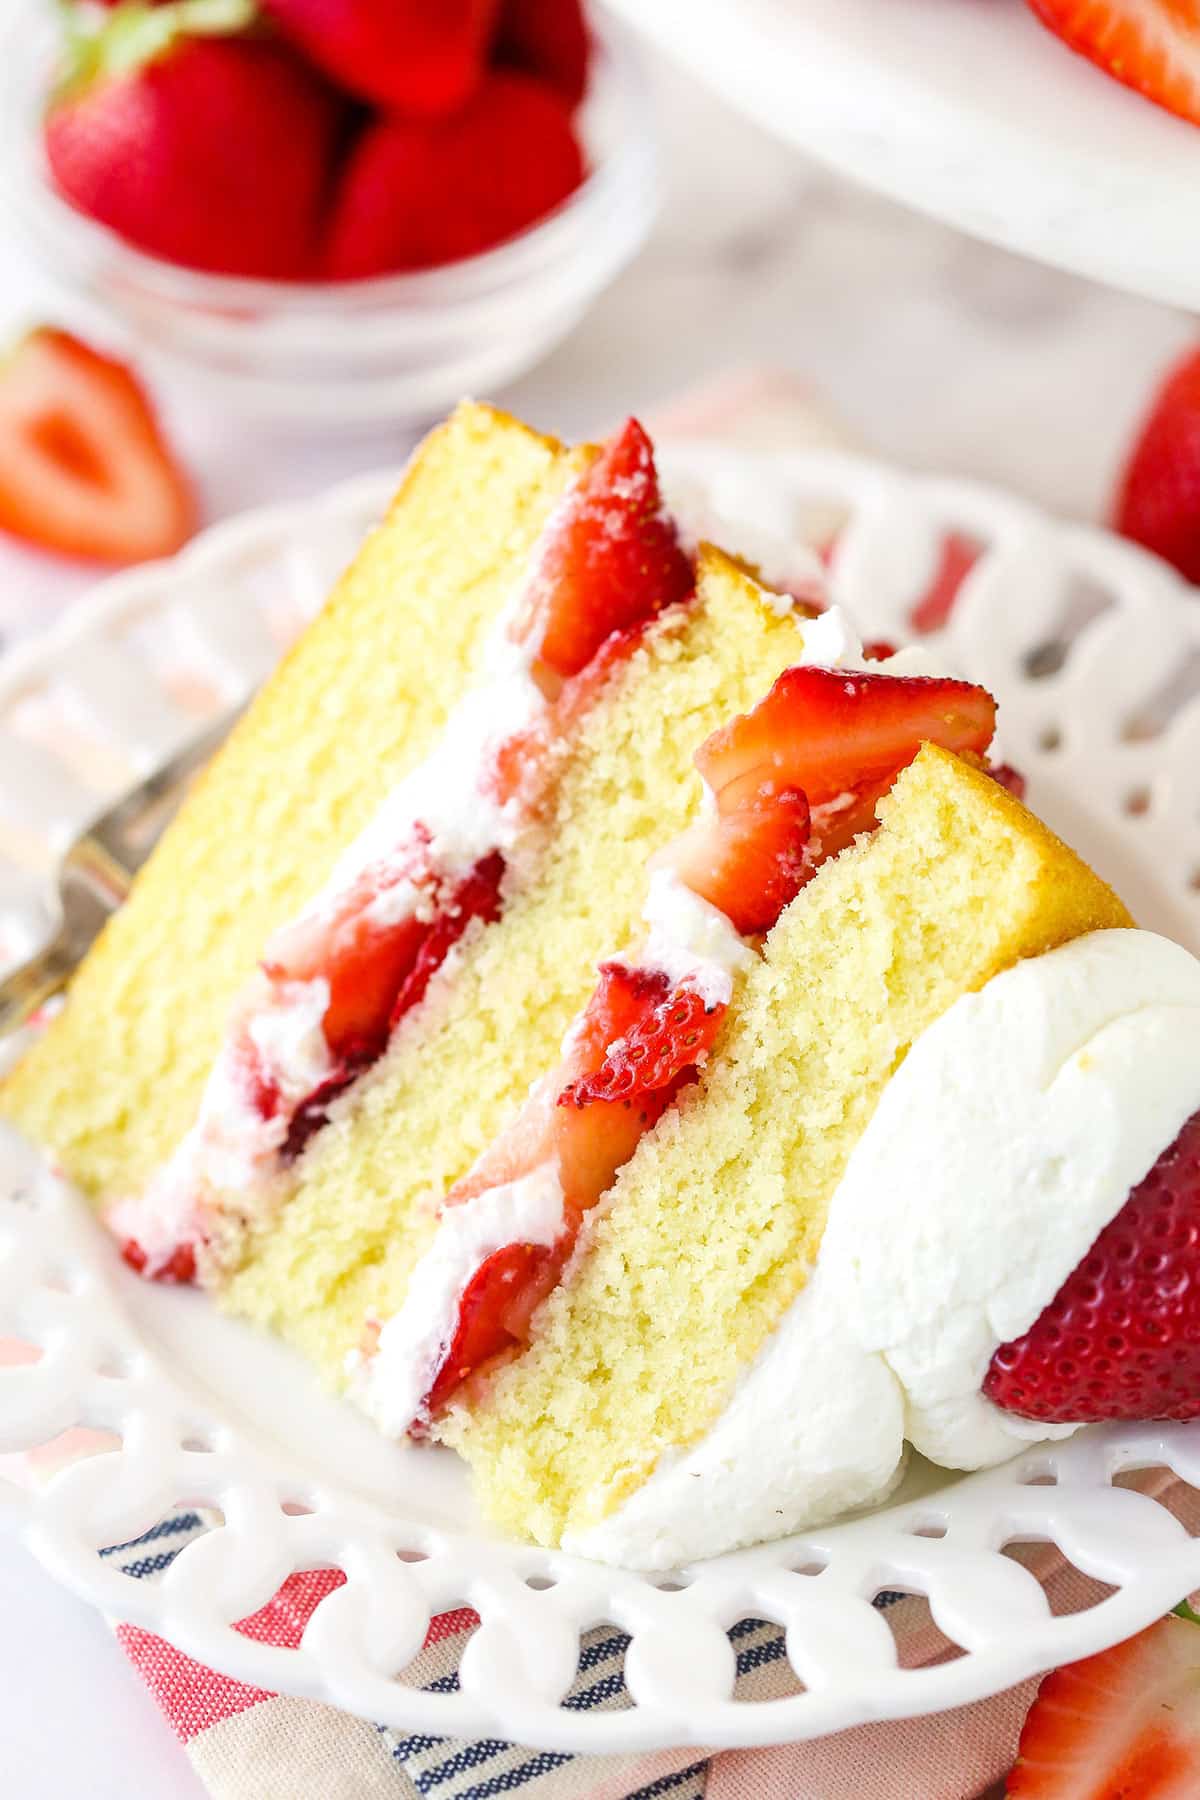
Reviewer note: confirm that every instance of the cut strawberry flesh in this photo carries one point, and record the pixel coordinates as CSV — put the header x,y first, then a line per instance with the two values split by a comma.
x,y
638,1042
84,467
180,1267
750,861
1121,1338
610,561
483,1327
829,732
1121,1725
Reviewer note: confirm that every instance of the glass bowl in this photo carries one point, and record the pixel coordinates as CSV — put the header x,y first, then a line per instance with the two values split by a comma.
x,y
344,355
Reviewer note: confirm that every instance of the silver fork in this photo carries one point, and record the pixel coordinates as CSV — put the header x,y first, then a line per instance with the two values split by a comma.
x,y
97,871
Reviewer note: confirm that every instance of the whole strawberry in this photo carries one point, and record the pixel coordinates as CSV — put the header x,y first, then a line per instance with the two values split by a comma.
x,y
415,193
1121,1338
1158,501
418,56
547,38
208,149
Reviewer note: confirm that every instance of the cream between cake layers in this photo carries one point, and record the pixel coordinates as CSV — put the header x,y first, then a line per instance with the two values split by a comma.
x,y
875,1117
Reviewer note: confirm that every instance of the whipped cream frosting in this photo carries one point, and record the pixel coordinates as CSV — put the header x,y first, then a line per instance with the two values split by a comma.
x,y
1008,1138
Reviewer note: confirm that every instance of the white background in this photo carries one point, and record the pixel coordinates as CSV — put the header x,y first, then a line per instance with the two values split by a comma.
x,y
934,350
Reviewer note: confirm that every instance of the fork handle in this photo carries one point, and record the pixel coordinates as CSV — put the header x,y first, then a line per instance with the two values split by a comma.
x,y
34,982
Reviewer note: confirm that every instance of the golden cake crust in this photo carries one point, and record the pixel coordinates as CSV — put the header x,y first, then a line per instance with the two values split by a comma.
x,y
115,1082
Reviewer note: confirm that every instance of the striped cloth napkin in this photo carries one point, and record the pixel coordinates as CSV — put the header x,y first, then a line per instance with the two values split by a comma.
x,y
250,1745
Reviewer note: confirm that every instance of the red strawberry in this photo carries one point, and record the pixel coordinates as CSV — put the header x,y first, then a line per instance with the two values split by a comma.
x,y
611,561
1158,500
84,468
211,151
831,733
418,56
548,38
1149,45
1121,1338
418,192
590,1128
376,972
750,862
1123,1725
669,1039
179,1269
494,1310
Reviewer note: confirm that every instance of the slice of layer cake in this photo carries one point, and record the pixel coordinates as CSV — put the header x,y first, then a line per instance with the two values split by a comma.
x,y
780,1201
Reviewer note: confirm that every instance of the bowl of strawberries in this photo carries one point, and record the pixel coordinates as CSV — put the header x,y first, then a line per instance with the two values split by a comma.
x,y
331,213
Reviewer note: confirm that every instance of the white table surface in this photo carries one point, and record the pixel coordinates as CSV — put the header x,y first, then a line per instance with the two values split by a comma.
x,y
935,350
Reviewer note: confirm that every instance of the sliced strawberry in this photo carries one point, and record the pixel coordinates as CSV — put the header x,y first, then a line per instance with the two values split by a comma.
x,y
487,1312
751,861
1123,1725
588,1118
1158,500
829,732
610,561
676,1036
478,897
377,971
1121,1338
1149,45
179,1269
84,468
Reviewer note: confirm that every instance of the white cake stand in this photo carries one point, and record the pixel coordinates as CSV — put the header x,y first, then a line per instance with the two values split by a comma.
x,y
967,110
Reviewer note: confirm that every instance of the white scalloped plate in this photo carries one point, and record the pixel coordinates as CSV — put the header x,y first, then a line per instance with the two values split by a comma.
x,y
1093,649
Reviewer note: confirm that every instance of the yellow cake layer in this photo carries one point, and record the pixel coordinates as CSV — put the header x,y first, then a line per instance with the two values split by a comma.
x,y
116,1081
710,1229
363,1208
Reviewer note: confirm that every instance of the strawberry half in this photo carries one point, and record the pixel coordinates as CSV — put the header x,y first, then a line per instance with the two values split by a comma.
x,y
611,558
84,468
1150,45
1158,499
418,56
208,149
1123,1725
830,733
1121,1338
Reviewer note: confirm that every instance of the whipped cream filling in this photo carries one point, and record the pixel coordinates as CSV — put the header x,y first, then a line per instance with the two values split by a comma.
x,y
392,1383
1006,1141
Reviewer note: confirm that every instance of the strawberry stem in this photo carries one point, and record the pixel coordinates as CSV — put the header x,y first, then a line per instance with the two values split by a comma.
x,y
135,33
1184,1611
